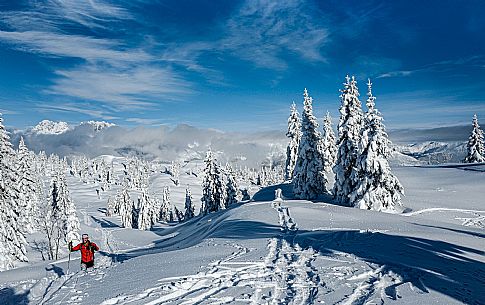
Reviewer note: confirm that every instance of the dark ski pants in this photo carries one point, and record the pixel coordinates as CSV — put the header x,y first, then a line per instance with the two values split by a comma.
x,y
86,265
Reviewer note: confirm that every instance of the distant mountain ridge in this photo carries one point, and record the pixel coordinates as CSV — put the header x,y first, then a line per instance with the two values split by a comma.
x,y
94,138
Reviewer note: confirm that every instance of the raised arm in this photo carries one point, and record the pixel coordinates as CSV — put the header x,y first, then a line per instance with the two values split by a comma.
x,y
76,248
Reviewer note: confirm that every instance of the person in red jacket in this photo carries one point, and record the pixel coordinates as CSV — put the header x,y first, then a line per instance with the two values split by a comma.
x,y
87,251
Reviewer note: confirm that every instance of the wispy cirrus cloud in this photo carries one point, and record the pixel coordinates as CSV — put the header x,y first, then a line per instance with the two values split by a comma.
x,y
77,108
76,46
112,71
134,87
48,14
476,61
262,31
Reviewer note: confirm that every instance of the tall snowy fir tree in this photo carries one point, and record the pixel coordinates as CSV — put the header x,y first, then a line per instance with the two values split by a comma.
x,y
71,226
309,178
212,189
125,207
165,209
145,211
64,220
476,145
12,239
329,144
231,187
349,129
27,187
294,134
377,188
189,205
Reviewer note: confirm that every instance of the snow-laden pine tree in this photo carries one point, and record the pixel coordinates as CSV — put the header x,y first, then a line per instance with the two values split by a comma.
x,y
309,178
26,186
231,187
179,215
110,209
476,145
189,205
71,226
64,211
57,218
135,212
349,130
329,143
12,239
294,134
377,188
155,213
165,207
212,189
125,207
145,211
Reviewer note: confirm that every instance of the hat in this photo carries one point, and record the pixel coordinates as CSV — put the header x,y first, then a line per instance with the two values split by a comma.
x,y
85,235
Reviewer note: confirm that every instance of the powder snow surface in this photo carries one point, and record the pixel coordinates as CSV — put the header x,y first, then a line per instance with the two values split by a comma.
x,y
278,252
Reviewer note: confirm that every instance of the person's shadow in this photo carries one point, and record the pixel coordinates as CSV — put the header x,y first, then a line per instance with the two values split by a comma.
x,y
56,269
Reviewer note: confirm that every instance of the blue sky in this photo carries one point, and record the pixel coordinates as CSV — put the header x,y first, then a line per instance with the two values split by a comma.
x,y
238,65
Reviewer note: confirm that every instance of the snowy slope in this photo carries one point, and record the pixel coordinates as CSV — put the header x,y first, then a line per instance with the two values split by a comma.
x,y
284,252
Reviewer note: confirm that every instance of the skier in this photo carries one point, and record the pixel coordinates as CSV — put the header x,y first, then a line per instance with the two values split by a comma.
x,y
87,252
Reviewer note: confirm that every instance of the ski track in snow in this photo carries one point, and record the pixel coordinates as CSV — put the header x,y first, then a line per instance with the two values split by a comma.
x,y
286,275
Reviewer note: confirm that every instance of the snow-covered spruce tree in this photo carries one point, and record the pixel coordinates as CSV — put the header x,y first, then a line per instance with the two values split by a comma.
x,y
329,144
175,172
179,215
56,218
349,130
476,145
145,211
12,239
245,194
26,186
231,187
49,223
189,205
110,209
294,134
165,208
71,226
135,212
125,207
63,213
377,188
155,213
309,179
212,190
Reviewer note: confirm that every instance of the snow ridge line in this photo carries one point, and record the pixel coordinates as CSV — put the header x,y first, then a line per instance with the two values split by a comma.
x,y
440,209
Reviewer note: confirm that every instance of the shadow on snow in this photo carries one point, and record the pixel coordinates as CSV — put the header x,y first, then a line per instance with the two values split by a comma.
x,y
424,263
8,296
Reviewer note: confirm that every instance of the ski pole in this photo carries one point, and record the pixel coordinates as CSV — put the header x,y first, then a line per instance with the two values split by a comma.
x,y
69,260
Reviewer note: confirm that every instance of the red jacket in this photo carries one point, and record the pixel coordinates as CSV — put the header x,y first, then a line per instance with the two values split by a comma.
x,y
87,251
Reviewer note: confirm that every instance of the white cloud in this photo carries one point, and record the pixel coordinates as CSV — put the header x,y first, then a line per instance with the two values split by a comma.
x,y
77,108
476,61
77,46
121,88
261,30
